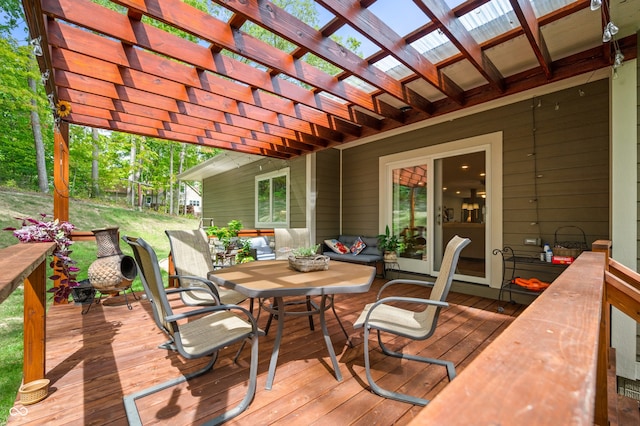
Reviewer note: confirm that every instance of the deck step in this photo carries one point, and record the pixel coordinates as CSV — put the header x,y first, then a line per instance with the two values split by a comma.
x,y
622,410
628,411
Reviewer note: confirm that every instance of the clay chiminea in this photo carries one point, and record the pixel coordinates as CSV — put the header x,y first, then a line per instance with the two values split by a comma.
x,y
112,271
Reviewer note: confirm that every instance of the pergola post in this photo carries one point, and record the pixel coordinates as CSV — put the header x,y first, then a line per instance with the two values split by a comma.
x,y
61,172
61,177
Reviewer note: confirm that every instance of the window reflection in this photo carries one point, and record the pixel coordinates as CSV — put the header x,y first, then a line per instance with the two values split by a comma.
x,y
410,210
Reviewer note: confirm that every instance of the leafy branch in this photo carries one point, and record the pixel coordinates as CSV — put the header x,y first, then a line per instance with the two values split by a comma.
x,y
63,266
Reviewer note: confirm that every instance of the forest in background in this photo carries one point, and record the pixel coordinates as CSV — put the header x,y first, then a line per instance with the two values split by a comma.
x,y
103,165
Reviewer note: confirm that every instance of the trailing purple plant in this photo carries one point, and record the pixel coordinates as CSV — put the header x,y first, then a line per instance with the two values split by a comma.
x,y
58,232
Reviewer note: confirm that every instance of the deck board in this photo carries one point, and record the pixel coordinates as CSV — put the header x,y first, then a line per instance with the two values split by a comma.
x,y
94,359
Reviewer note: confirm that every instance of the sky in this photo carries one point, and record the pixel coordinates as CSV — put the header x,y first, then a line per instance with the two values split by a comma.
x,y
403,16
20,33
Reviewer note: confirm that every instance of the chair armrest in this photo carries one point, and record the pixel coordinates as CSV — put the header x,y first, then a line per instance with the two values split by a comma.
x,y
215,294
404,281
210,284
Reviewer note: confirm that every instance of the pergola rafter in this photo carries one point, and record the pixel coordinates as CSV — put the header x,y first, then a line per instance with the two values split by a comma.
x,y
222,87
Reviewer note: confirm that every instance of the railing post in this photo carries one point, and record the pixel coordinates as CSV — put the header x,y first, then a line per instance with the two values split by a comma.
x,y
35,324
604,341
605,247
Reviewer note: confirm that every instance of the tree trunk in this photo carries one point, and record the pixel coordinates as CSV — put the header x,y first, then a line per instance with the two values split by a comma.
x,y
183,151
138,177
43,182
132,162
171,180
95,186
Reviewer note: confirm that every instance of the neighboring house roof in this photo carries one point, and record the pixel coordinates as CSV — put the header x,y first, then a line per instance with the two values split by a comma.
x,y
221,163
193,190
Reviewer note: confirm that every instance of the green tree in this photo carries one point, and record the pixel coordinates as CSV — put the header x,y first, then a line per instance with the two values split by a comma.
x,y
12,19
17,147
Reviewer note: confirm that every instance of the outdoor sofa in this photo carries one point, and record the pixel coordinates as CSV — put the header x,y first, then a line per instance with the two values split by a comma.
x,y
370,254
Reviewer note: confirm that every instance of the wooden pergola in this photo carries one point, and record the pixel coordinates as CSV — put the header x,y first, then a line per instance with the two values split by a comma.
x,y
218,86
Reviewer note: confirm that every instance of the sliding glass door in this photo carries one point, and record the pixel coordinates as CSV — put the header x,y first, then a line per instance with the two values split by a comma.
x,y
460,196
432,198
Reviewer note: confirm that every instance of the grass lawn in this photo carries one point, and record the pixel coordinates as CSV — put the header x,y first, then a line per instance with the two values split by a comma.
x,y
85,215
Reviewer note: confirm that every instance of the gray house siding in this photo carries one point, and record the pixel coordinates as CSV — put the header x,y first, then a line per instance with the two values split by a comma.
x,y
327,194
298,194
231,195
569,171
566,182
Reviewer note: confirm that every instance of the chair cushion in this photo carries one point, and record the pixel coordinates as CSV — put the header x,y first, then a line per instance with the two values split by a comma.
x,y
213,330
398,320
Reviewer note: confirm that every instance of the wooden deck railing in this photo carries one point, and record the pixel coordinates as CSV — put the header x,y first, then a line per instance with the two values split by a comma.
x,y
26,263
550,365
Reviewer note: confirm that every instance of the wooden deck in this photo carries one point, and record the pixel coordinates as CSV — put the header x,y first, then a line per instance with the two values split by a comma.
x,y
95,359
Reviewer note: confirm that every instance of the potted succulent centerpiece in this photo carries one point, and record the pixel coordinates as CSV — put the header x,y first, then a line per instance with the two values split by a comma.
x,y
307,259
390,245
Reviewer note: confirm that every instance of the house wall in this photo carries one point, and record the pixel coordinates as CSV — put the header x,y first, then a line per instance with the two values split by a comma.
x,y
231,195
327,194
571,140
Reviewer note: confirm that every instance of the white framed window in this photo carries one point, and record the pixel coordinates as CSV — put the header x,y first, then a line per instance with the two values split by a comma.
x,y
272,199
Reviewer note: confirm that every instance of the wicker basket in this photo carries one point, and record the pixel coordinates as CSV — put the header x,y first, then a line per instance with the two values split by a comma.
x,y
308,264
569,241
34,391
570,252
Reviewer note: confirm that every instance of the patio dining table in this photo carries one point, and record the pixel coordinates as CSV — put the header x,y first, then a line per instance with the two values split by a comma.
x,y
276,279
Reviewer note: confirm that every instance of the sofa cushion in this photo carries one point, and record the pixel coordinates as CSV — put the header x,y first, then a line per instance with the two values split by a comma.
x,y
348,257
371,246
357,247
337,246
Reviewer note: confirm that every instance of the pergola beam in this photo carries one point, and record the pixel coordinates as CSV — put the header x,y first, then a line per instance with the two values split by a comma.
x,y
297,32
370,26
439,12
526,16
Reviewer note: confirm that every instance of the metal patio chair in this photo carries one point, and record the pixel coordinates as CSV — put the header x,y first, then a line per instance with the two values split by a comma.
x,y
198,333
192,260
417,325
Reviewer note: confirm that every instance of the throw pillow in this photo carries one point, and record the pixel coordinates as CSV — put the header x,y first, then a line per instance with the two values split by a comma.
x,y
337,246
357,247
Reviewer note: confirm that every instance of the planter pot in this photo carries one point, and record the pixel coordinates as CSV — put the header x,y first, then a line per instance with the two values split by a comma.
x,y
390,256
83,293
34,391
